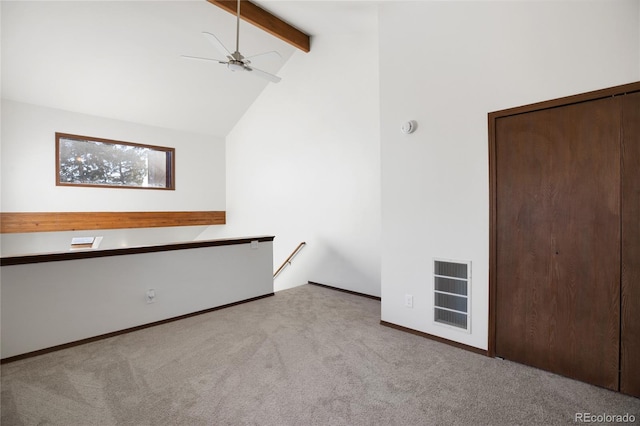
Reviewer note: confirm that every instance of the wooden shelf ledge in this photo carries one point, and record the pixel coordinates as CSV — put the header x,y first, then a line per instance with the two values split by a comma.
x,y
22,222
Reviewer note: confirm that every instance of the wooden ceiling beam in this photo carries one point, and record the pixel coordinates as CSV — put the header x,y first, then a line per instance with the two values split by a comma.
x,y
259,17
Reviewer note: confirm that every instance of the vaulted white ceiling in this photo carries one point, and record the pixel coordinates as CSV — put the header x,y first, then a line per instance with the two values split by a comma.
x,y
121,59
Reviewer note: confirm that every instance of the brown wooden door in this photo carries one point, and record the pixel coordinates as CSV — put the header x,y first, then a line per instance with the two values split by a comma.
x,y
558,240
630,324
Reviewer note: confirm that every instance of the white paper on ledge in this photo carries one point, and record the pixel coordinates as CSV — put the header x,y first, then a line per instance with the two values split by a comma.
x,y
82,240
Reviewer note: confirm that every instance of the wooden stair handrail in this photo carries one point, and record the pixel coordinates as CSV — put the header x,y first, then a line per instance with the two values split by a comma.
x,y
288,261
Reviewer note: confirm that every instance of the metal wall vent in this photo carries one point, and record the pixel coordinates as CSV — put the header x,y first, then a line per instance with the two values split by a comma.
x,y
452,296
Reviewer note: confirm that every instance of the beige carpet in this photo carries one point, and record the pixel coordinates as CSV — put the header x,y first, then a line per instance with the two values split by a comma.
x,y
307,356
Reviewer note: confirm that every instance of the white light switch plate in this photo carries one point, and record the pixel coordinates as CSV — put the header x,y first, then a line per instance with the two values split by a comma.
x,y
408,301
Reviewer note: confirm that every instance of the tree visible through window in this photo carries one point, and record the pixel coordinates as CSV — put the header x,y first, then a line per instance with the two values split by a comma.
x,y
86,161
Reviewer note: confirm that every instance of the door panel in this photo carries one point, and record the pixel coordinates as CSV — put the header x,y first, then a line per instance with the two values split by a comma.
x,y
558,240
630,332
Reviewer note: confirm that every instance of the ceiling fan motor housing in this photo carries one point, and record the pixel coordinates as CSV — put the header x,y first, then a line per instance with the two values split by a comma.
x,y
236,66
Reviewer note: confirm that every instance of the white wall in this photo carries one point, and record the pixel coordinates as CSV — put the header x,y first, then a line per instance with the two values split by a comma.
x,y
28,176
52,303
49,242
28,164
446,65
303,164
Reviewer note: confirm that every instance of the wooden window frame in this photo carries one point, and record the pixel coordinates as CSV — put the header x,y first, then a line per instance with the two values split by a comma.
x,y
170,162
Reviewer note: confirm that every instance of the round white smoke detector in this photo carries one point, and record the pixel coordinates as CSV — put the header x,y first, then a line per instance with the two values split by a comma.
x,y
408,127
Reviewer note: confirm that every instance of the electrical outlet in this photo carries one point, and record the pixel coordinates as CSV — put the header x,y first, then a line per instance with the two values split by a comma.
x,y
408,301
151,295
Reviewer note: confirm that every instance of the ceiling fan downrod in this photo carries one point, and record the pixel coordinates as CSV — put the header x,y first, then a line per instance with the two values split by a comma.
x,y
238,29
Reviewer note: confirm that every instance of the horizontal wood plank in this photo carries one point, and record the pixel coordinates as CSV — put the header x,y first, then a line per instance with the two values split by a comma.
x,y
22,222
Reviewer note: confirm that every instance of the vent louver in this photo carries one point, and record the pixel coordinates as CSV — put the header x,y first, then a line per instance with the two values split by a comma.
x,y
452,281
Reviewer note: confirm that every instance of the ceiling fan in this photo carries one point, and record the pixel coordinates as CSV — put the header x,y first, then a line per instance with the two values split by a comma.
x,y
236,61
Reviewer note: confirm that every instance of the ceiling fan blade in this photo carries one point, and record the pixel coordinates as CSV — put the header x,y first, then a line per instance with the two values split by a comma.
x,y
272,78
203,59
271,53
217,43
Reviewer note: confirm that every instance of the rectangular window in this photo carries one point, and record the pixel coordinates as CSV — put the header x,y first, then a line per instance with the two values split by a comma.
x,y
88,161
